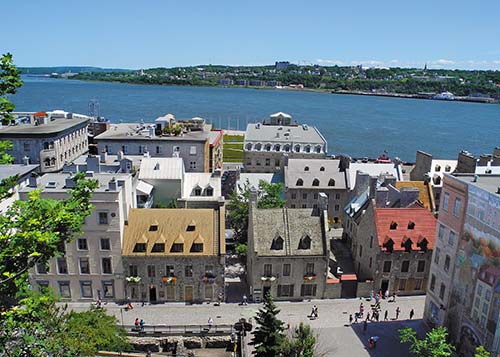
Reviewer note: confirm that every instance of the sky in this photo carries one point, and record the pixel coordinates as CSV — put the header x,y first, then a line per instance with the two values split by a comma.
x,y
153,33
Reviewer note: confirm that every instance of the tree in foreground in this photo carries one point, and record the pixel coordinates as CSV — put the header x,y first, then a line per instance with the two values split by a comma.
x,y
302,342
268,336
10,81
433,345
481,352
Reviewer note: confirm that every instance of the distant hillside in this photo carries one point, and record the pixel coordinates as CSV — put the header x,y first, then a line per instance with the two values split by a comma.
x,y
66,69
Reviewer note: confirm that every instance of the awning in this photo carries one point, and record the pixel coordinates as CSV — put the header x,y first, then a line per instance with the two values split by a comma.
x,y
144,187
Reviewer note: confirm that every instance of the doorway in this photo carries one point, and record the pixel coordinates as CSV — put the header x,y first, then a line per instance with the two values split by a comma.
x,y
266,290
384,286
152,293
188,293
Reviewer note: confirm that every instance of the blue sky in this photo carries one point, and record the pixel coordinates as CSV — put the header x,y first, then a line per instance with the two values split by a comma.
x,y
152,33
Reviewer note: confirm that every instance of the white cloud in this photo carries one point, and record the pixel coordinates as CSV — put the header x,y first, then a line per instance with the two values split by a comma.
x,y
442,62
331,62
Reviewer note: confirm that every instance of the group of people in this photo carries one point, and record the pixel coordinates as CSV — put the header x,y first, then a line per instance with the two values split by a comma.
x,y
139,325
314,313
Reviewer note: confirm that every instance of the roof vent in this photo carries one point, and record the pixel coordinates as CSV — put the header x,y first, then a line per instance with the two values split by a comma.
x,y
305,127
51,184
257,126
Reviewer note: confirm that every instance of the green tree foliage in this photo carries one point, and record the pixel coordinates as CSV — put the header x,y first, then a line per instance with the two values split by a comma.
x,y
269,196
34,231
302,342
5,157
268,336
481,352
433,345
241,249
41,328
10,81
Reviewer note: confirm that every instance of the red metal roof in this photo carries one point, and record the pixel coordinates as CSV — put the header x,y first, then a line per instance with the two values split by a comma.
x,y
332,281
424,226
490,275
216,140
348,277
39,114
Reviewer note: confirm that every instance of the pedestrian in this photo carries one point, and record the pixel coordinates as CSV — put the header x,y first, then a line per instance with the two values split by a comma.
x,y
398,310
393,297
368,317
365,326
361,309
350,319
129,306
386,315
355,317
315,311
411,314
141,324
136,323
244,302
377,298
377,316
387,294
210,323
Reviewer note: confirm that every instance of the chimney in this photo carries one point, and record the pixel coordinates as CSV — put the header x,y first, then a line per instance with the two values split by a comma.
x,y
26,161
483,160
70,182
466,163
93,163
344,163
33,180
381,197
495,161
408,196
112,184
322,202
120,155
152,129
104,156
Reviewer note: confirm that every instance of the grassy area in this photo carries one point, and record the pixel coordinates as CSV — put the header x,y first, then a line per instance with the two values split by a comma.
x,y
233,148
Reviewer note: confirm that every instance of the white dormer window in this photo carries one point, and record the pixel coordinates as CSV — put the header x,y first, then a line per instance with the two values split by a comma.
x,y
209,191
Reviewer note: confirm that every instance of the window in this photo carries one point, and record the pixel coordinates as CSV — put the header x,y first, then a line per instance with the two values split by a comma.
x,y
310,269
151,271
105,244
153,228
402,284
292,205
139,248
315,196
304,196
315,206
370,263
442,290
268,147
405,266
197,191
188,271
305,242
268,162
125,149
257,162
285,290
84,266
432,285
387,266
337,207
277,243
64,289
86,289
158,149
177,248
487,295
103,217
411,225
306,168
300,182
371,241
42,285
142,149
287,269
446,199
133,271
197,248
191,228
192,165
331,182
337,196
158,248
192,150
268,269
108,287
209,191
421,266
447,263
456,206
441,231
308,290
304,205
479,290
418,284
294,196
41,268
106,266
62,266
82,244
360,251
169,270
393,226
315,182
436,255
27,146
451,238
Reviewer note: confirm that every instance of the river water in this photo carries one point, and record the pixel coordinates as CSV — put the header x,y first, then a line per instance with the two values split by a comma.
x,y
355,125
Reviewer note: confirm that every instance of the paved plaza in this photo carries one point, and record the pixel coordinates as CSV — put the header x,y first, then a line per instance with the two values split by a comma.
x,y
335,335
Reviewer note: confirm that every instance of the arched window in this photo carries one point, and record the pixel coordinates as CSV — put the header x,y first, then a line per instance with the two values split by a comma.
x,y
331,182
307,148
297,148
277,147
268,147
305,242
322,168
53,161
306,168
249,146
287,148
315,182
258,146
407,245
300,182
389,245
318,149
277,243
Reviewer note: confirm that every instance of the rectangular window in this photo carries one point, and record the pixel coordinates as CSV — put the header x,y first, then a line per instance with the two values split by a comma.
x,y
337,207
64,289
192,165
337,196
268,269
188,271
268,162
169,271
446,199
27,146
402,284
294,196
421,266
132,270
436,255
86,289
479,290
84,266
432,285
405,266
105,244
192,150
304,196
387,266
371,241
456,207
285,290
287,269
418,284
42,285
487,295
151,271
308,290
277,163
82,244
41,268
62,266
360,251
304,205
125,149
106,266
447,263
315,196
108,287
158,149
452,238
257,162
477,303
485,308
309,268
442,290
441,231
103,217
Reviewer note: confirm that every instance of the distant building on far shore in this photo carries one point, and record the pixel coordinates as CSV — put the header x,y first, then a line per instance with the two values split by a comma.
x,y
282,65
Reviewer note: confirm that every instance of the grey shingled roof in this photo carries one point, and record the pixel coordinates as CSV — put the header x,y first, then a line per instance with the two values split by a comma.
x,y
276,133
291,225
297,169
52,127
130,131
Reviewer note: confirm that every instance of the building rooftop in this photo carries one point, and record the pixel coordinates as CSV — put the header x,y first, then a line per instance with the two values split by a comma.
x,y
140,131
214,136
254,179
401,224
488,169
7,171
51,127
438,168
293,226
490,275
302,134
357,203
374,169
315,174
158,230
202,181
425,196
488,182
161,168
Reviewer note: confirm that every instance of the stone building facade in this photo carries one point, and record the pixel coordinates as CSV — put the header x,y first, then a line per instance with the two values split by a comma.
x,y
287,253
49,139
174,254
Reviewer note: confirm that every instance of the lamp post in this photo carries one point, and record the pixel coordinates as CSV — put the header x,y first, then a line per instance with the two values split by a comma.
x,y
121,315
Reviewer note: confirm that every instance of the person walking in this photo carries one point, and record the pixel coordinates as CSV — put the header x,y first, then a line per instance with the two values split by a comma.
x,y
141,324
365,326
368,317
386,315
398,311
350,319
136,324
210,323
411,314
244,302
315,311
355,317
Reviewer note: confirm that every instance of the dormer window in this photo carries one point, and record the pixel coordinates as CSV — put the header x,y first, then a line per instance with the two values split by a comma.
x,y
300,182
305,242
249,146
268,147
277,147
315,182
158,248
153,228
277,243
197,191
423,245
258,146
411,225
322,168
139,248
447,168
437,168
437,180
209,191
306,168
318,149
297,148
177,248
307,148
331,182
407,245
393,226
191,228
157,166
197,248
389,245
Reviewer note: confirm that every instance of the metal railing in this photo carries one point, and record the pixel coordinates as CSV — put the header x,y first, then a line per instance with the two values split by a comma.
x,y
180,330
